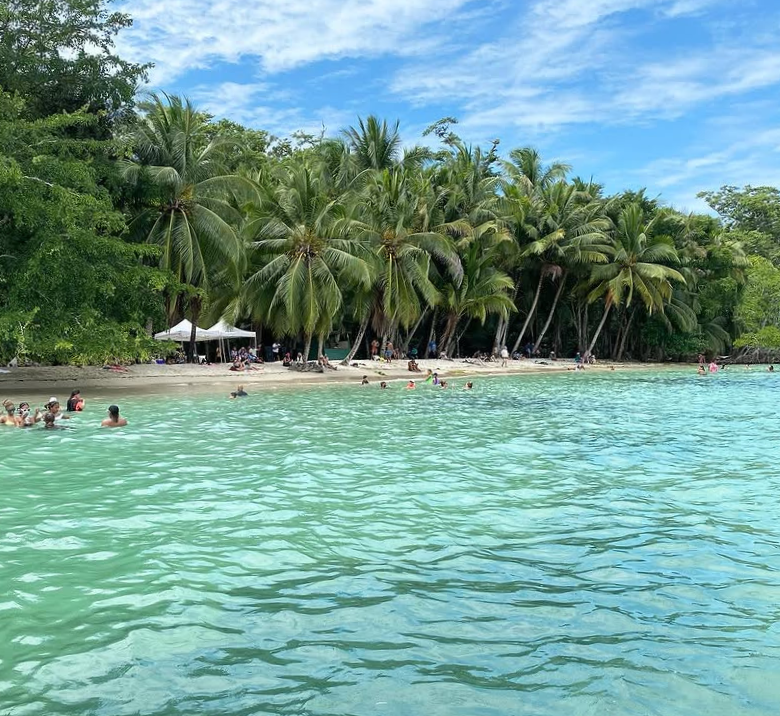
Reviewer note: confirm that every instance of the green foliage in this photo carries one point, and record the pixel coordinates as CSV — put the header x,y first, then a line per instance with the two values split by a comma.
x,y
767,338
759,306
59,56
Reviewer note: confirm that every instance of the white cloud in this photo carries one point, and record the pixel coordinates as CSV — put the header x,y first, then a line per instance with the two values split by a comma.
x,y
179,35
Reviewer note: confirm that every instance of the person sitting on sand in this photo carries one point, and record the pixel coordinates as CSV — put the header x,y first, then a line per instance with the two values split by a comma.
x,y
383,385
410,385
75,402
468,386
413,367
114,420
237,365
323,361
364,381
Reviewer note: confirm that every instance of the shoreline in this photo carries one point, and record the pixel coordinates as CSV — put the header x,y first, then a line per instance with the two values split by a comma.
x,y
164,379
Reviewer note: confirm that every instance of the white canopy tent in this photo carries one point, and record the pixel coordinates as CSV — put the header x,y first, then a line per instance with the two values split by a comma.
x,y
182,332
224,331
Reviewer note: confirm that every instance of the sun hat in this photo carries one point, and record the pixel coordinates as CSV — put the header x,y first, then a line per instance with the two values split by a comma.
x,y
53,400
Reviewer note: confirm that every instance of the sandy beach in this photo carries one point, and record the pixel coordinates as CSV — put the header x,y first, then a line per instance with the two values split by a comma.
x,y
45,381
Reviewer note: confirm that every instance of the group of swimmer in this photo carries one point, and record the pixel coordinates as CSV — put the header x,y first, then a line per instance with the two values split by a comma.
x,y
713,367
52,415
431,377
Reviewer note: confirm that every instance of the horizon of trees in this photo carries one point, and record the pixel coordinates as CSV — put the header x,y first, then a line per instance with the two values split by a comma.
x,y
117,217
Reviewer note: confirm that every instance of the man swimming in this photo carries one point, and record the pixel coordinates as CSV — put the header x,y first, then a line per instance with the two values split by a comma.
x,y
113,420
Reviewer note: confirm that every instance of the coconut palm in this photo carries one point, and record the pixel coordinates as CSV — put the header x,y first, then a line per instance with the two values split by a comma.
x,y
308,255
639,264
188,212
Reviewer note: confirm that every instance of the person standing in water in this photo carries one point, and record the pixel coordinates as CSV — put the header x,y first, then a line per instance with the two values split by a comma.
x,y
114,420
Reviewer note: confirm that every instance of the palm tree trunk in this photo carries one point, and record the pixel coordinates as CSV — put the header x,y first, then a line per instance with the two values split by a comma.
x,y
562,281
356,343
320,344
598,330
307,347
195,314
497,343
446,339
460,335
626,331
410,335
431,334
530,314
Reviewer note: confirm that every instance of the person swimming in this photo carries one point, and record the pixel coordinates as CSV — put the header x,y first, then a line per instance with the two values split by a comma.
x,y
700,370
713,367
771,369
383,385
113,420
410,385
364,381
75,402
428,375
239,392
468,386
435,378
443,384
10,419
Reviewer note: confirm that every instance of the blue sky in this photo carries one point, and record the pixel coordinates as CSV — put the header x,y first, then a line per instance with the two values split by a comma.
x,y
678,96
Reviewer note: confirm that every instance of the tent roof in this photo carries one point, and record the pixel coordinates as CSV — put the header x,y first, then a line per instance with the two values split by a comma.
x,y
225,330
182,332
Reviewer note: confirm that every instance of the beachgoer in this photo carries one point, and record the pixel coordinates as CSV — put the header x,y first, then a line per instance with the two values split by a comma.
x,y
412,366
428,375
75,402
25,419
114,420
432,348
435,378
771,369
239,392
50,422
324,361
468,386
410,385
504,356
700,370
383,385
701,359
443,384
275,350
53,407
287,362
374,349
713,367
10,419
364,381
389,350
578,358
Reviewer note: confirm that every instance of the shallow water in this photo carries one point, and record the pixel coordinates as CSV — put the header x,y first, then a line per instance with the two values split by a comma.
x,y
567,544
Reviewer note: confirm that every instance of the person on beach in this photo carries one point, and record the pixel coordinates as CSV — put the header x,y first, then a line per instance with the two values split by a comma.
x,y
432,348
504,356
375,349
701,359
468,386
383,385
114,420
364,381
275,350
578,358
75,403
410,385
389,350
412,366
713,367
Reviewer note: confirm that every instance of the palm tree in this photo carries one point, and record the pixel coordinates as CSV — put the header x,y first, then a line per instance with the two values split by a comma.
x,y
189,214
308,254
402,253
483,290
639,264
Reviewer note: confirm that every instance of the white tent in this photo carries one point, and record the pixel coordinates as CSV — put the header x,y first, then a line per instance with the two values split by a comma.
x,y
224,330
182,332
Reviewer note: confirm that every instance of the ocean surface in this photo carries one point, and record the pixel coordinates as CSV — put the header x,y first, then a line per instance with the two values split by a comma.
x,y
581,544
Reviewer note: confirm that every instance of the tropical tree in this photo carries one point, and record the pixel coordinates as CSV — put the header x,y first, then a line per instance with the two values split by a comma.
x,y
186,210
639,264
308,253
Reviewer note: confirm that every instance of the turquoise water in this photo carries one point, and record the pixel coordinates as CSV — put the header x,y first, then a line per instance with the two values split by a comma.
x,y
569,544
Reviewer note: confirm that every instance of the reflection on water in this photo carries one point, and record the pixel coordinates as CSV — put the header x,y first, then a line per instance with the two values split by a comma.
x,y
579,544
